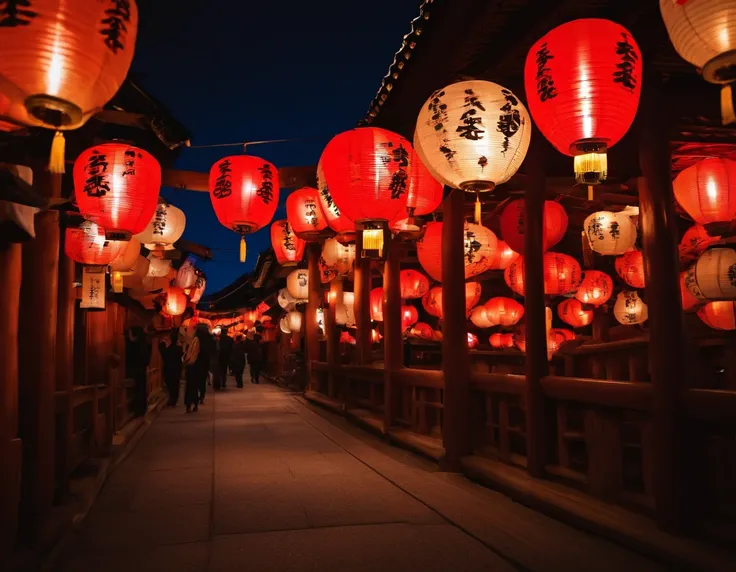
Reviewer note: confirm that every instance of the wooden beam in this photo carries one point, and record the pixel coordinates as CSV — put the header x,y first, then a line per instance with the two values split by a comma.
x,y
393,343
289,178
362,305
193,248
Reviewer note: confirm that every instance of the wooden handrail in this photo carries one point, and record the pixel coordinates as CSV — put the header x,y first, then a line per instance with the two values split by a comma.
x,y
498,382
420,378
711,405
606,347
624,394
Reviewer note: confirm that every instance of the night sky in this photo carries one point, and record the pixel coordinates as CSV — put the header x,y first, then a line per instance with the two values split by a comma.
x,y
248,71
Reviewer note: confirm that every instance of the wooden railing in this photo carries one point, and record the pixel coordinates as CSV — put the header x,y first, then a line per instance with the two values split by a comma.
x,y
418,400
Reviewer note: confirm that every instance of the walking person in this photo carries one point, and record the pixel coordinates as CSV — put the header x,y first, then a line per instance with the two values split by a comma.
x,y
237,360
196,360
255,358
138,356
224,352
214,367
171,356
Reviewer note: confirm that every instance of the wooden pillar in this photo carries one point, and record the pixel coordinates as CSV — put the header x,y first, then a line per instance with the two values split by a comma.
x,y
456,405
362,288
534,308
333,336
315,297
393,345
37,357
10,444
666,343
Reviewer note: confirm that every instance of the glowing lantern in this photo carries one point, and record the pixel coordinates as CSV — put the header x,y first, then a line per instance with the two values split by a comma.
x,y
164,229
244,191
720,315
479,318
285,299
287,246
629,309
472,341
694,242
563,334
432,300
376,336
596,288
376,304
704,34
176,302
689,301
571,312
562,274
294,321
437,336
480,245
424,196
422,331
413,284
346,338
93,288
339,255
338,222
409,317
610,233
186,277
117,187
327,273
284,325
504,311
87,245
575,76
507,340
344,314
496,340
250,317
512,224
297,284
304,212
125,263
518,338
713,277
707,192
504,256
158,267
474,135
198,289
630,267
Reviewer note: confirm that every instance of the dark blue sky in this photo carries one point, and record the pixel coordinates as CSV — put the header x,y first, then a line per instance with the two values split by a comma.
x,y
236,71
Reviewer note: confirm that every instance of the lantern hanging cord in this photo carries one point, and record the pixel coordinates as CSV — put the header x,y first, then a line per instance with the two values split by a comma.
x,y
245,144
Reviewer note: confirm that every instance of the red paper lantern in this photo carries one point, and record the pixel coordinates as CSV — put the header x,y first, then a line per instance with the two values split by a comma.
x,y
496,340
422,331
376,336
583,82
719,315
346,338
304,212
504,311
244,191
409,317
707,192
425,193
630,267
376,304
694,242
432,300
413,284
117,187
287,246
342,225
87,245
480,245
596,288
689,301
472,341
571,312
504,256
176,301
562,274
563,334
519,338
512,224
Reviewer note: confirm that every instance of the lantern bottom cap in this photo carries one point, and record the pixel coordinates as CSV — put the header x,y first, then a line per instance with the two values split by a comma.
x,y
591,168
346,237
314,235
717,229
478,186
53,112
721,69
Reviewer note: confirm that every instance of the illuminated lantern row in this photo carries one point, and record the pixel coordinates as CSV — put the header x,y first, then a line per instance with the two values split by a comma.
x,y
422,331
571,312
176,302
342,225
473,135
504,256
583,82
87,245
304,212
713,277
707,192
610,233
63,62
595,289
117,187
376,304
694,242
504,311
413,284
472,341
562,274
513,225
126,262
499,341
479,318
186,276
432,300
480,246
297,284
629,309
294,321
287,246
409,317
244,191
689,301
164,229
630,267
720,315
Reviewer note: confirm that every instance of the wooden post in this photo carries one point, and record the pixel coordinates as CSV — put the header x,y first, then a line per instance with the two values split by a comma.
x,y
362,288
456,406
666,343
311,327
393,345
534,308
333,336
10,444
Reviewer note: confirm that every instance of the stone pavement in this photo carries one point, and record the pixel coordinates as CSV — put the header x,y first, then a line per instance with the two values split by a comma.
x,y
257,481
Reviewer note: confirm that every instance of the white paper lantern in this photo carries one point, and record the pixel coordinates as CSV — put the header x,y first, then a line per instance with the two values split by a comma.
x,y
284,326
340,255
473,135
713,276
480,318
610,233
344,311
294,321
297,284
186,277
321,321
286,300
199,287
164,229
125,263
158,267
629,309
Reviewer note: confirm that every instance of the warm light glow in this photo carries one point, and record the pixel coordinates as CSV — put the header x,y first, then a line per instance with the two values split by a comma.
x,y
176,302
117,282
373,240
243,249
591,168
164,229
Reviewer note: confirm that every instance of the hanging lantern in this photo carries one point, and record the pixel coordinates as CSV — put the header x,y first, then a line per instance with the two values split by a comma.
x,y
93,288
694,242
285,299
610,233
304,212
575,75
630,267
704,34
244,191
596,288
719,315
342,225
327,273
513,225
571,312
504,311
413,284
472,341
629,309
480,319
297,284
422,331
87,245
690,302
126,262
562,274
376,336
344,311
164,229
432,300
158,267
707,192
508,341
496,340
562,334
713,277
250,317
186,277
480,245
504,256
409,317
198,291
117,186
474,135
176,302
294,321
424,196
339,255
284,325
346,338
287,246
376,304
437,336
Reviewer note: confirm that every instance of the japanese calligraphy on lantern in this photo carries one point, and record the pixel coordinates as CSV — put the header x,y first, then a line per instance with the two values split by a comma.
x,y
224,182
115,25
16,13
159,220
96,183
266,190
545,84
129,162
625,73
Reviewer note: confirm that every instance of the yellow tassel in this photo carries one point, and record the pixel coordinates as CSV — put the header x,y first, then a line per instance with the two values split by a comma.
x,y
56,160
242,249
728,115
477,208
590,193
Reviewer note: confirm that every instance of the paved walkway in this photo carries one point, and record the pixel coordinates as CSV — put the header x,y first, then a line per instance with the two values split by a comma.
x,y
258,481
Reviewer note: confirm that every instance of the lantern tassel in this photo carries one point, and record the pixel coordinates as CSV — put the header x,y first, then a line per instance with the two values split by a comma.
x,y
588,258
58,150
477,208
590,192
728,114
242,249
